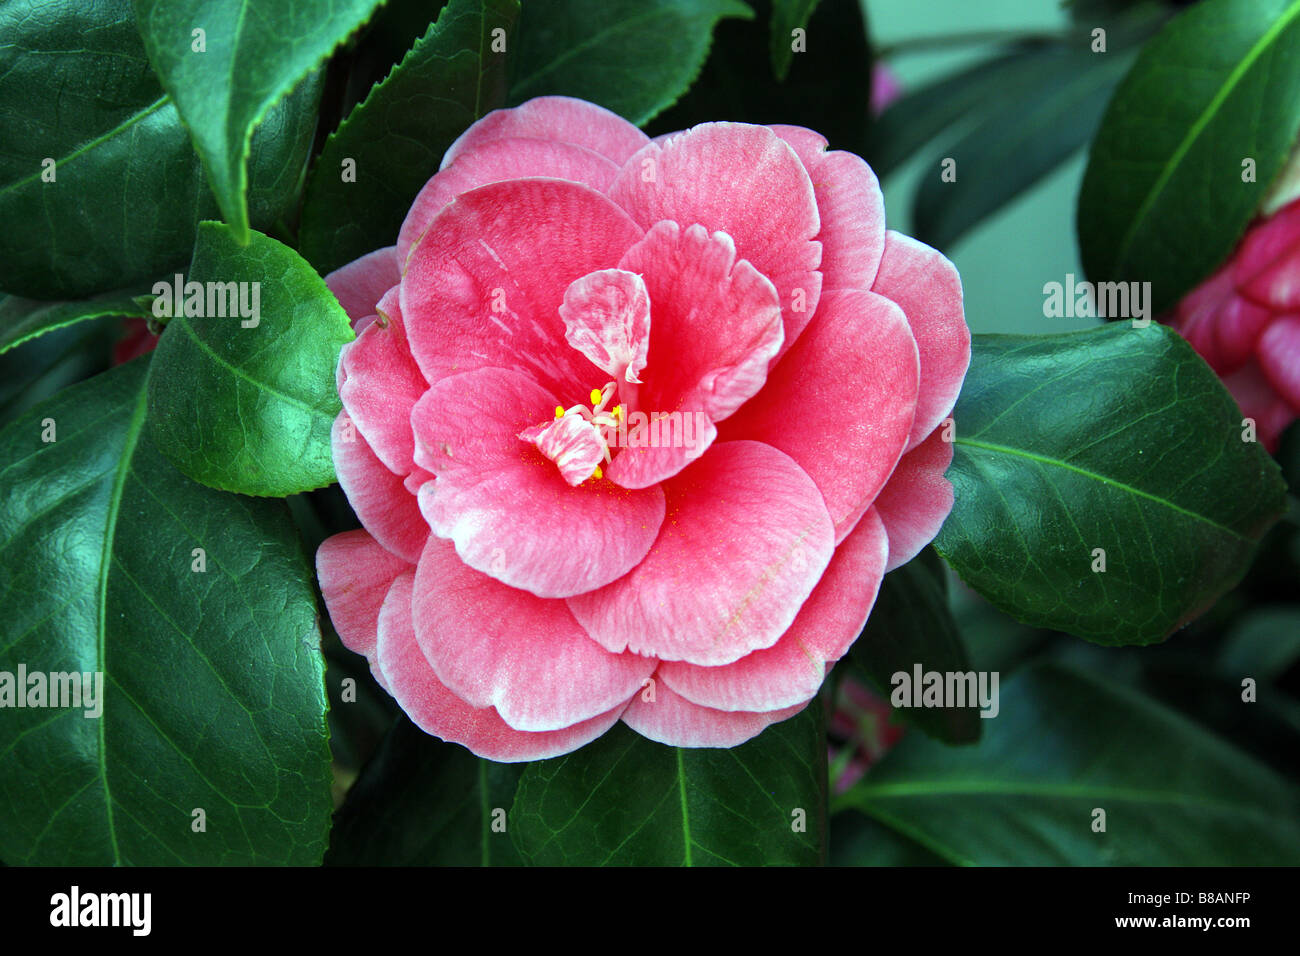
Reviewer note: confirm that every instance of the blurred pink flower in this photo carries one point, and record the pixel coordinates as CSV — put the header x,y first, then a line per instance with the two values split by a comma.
x,y
861,731
1245,322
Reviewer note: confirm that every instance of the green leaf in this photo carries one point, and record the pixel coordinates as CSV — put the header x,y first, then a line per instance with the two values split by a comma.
x,y
912,624
25,319
422,802
224,79
737,83
625,800
1062,746
1264,645
250,409
577,48
857,840
925,113
213,687
1035,130
1163,198
35,370
1116,438
128,189
396,137
788,16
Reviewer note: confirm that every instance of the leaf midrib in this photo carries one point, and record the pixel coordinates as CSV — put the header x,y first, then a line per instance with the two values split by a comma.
x,y
1103,479
132,438
1198,127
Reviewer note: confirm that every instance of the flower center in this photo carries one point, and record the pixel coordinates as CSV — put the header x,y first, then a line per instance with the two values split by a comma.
x,y
577,440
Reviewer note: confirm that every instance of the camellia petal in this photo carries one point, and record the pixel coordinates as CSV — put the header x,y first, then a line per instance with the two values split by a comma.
x,y
851,207
673,720
438,711
841,402
791,671
484,287
377,495
381,384
510,510
500,161
927,288
770,212
917,499
497,646
560,119
355,572
745,539
362,283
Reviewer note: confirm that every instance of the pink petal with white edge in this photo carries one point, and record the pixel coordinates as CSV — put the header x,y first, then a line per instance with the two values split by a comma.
x,y
1279,357
715,328
495,162
851,206
360,284
607,318
841,403
926,285
770,211
355,572
438,711
917,498
497,646
1266,268
792,670
673,720
484,287
744,541
380,385
557,118
509,510
376,494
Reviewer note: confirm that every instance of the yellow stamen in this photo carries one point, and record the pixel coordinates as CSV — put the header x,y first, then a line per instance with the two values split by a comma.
x,y
559,411
617,411
598,473
595,396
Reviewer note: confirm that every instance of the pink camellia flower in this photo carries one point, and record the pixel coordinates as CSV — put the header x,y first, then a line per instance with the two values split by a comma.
x,y
1245,322
534,564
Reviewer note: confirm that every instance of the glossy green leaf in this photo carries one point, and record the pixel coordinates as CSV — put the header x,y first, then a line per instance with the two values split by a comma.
x,y
912,624
213,691
927,112
625,800
737,84
1018,144
226,63
249,409
1063,746
1119,440
395,138
25,319
127,190
422,802
788,16
1164,198
577,48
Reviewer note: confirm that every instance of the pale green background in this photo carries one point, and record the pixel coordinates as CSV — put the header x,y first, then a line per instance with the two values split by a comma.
x,y
1006,260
